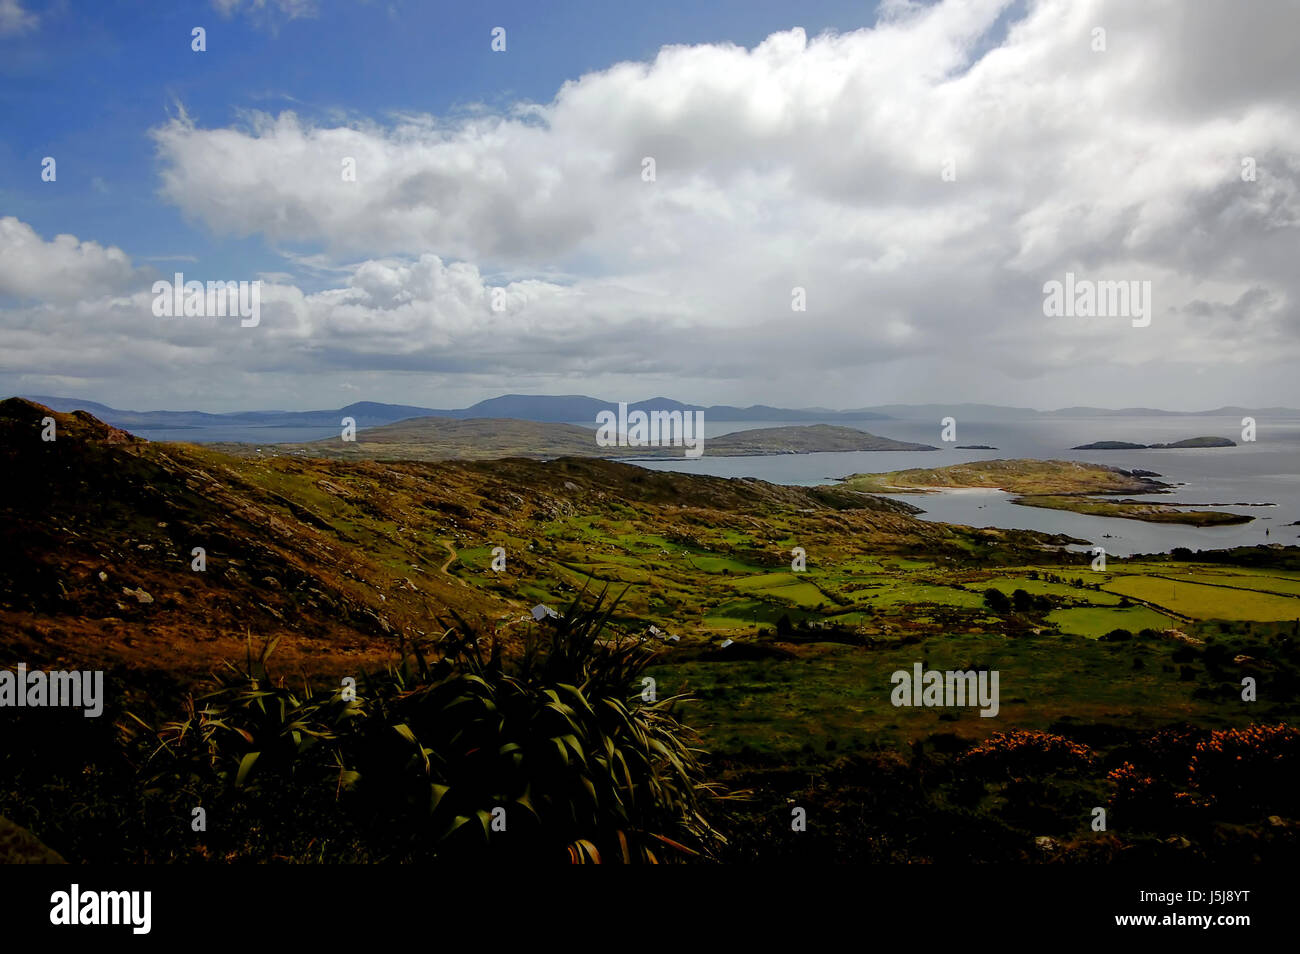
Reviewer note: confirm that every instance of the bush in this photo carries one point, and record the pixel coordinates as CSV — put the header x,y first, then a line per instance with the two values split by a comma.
x,y
1249,771
1183,773
433,759
996,600
1025,602
1137,794
1025,752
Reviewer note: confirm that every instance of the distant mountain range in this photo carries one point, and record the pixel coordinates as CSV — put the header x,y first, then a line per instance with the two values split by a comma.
x,y
578,408
549,409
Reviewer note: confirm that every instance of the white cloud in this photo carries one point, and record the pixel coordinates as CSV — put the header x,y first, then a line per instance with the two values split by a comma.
x,y
62,270
812,162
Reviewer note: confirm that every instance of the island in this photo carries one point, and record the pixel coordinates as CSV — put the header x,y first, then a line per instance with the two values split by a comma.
x,y
792,439
1052,484
1189,442
1015,476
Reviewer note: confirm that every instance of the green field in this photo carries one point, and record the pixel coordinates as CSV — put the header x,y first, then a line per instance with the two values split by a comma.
x,y
1201,601
837,698
1039,588
1097,621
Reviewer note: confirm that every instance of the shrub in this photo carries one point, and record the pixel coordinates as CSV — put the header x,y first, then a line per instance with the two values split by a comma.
x,y
1251,770
996,600
1025,752
429,752
1136,792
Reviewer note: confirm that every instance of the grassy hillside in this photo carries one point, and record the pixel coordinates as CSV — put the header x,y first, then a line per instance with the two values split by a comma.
x,y
346,562
344,557
440,438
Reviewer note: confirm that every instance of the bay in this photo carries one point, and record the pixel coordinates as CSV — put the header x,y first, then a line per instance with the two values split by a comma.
x,y
1263,471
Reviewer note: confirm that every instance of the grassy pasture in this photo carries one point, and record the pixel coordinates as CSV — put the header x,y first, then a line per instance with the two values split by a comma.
x,y
837,698
1201,601
1094,621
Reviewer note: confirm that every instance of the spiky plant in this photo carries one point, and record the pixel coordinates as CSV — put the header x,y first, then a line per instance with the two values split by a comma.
x,y
557,752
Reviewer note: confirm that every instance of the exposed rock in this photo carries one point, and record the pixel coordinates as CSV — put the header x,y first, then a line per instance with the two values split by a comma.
x,y
140,595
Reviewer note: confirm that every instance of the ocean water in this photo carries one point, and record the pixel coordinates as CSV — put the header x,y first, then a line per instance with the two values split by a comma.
x,y
1264,471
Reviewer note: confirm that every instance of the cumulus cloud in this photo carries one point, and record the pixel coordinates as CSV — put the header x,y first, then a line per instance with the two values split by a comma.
x,y
920,179
62,270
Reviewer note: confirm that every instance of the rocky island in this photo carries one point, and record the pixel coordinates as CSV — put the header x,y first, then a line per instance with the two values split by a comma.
x,y
1189,442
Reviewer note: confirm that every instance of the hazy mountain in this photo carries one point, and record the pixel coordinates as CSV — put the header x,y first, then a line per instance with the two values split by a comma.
x,y
522,407
578,408
366,413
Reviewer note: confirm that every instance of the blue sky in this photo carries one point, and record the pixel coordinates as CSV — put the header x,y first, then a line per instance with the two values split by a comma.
x,y
97,76
915,173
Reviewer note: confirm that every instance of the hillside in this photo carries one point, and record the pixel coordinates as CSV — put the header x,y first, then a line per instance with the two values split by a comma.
x,y
442,438
342,557
437,438
343,561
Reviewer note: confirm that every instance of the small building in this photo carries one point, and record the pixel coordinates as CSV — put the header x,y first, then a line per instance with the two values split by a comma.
x,y
541,612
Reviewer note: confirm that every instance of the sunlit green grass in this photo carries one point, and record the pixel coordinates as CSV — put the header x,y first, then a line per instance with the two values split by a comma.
x,y
1009,584
1200,601
1097,621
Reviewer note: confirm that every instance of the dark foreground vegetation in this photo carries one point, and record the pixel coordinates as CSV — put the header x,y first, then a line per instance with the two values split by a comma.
x,y
555,754
563,752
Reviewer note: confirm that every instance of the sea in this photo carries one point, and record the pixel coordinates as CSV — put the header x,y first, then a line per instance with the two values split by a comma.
x,y
1259,478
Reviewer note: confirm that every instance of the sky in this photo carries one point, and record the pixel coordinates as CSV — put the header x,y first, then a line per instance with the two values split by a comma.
x,y
849,204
